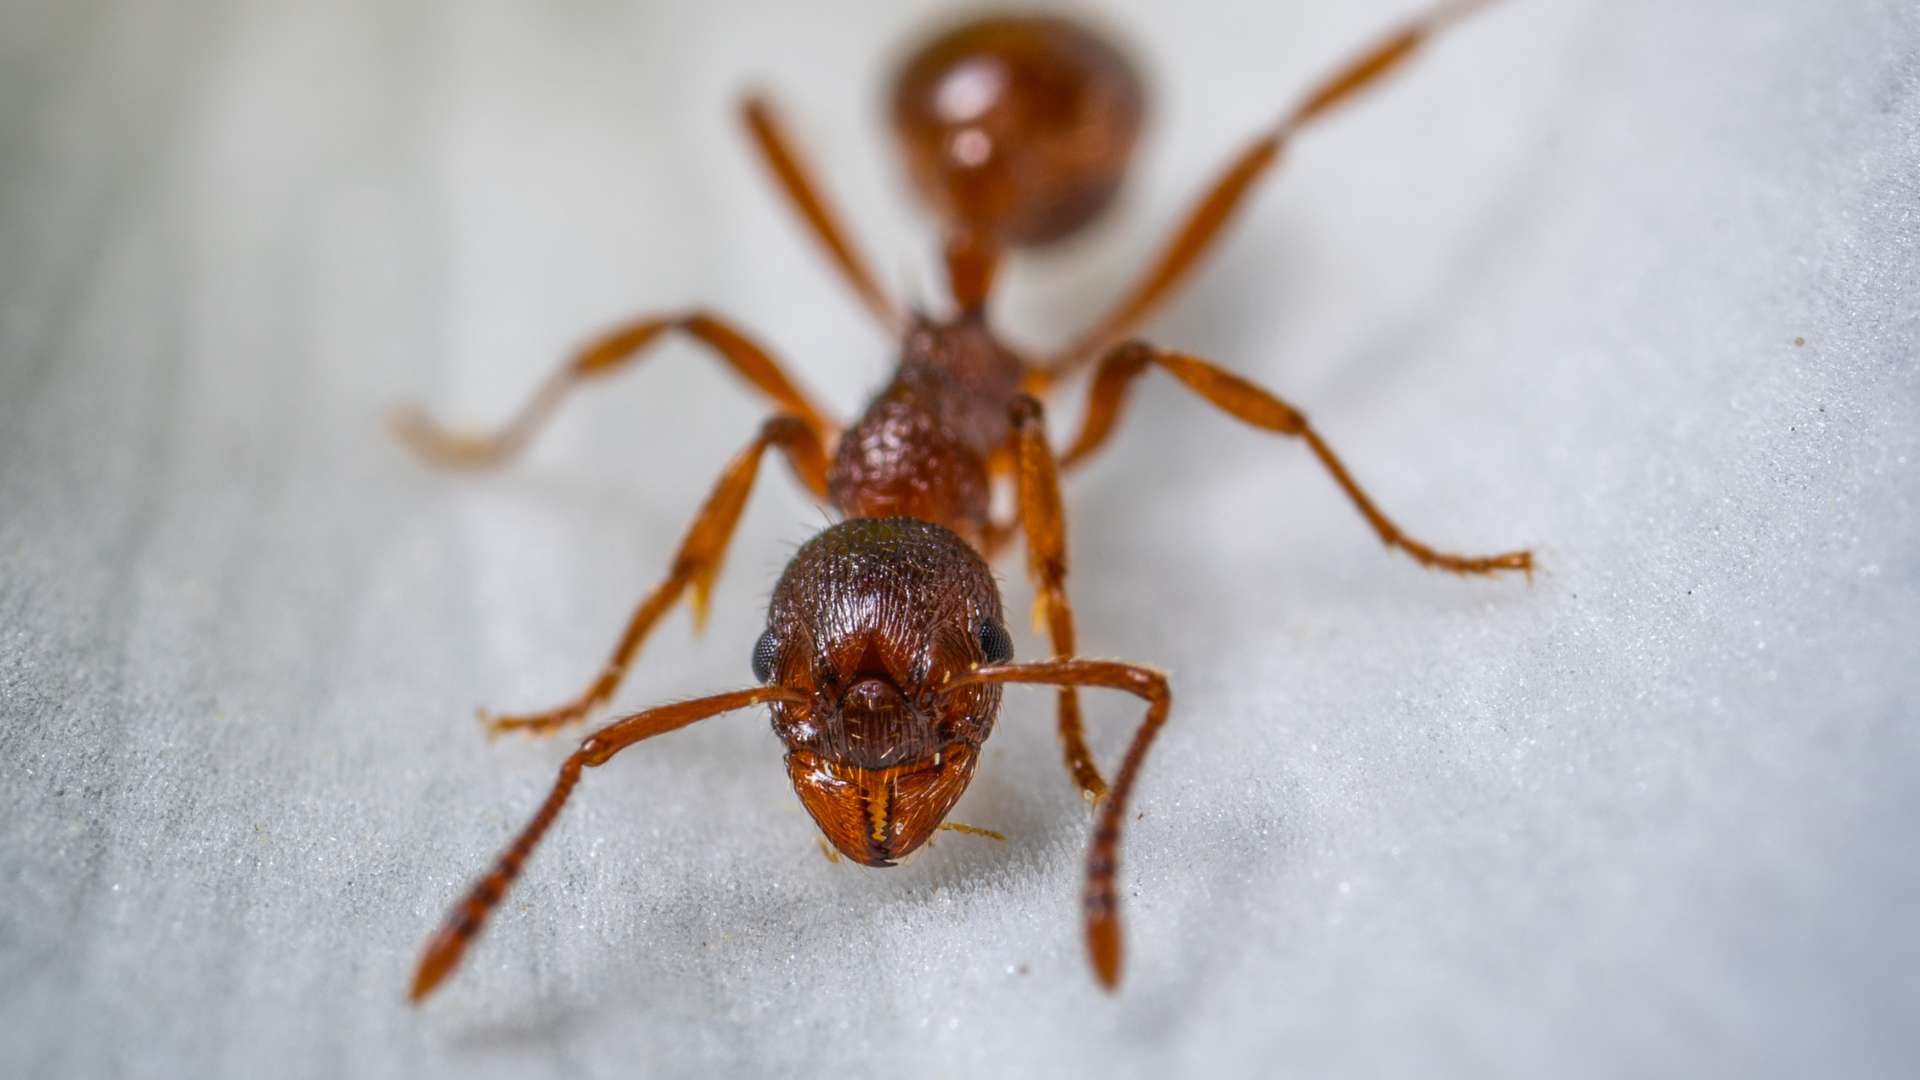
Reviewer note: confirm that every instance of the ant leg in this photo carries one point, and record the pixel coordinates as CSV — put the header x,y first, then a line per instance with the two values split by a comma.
x,y
776,150
1210,215
1100,902
470,914
1045,521
696,564
995,536
972,830
1251,405
602,356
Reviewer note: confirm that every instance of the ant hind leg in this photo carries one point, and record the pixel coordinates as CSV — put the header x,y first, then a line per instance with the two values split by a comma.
x,y
1208,218
777,152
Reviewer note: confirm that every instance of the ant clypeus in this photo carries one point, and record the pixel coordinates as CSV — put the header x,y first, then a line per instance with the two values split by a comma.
x,y
886,647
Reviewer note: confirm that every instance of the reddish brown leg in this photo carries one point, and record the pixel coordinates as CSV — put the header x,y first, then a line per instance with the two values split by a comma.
x,y
776,149
1045,521
1209,216
972,830
1250,404
696,564
470,914
599,357
996,536
1101,902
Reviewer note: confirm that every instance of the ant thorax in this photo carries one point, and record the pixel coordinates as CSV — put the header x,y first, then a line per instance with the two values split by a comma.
x,y
923,445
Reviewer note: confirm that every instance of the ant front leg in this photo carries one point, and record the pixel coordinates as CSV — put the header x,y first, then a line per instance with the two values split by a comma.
x,y
1251,405
604,355
1101,900
1045,521
697,563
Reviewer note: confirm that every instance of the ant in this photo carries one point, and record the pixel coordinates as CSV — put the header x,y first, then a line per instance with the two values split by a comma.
x,y
886,648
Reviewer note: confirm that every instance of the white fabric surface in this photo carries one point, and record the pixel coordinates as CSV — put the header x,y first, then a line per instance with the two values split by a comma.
x,y
1651,815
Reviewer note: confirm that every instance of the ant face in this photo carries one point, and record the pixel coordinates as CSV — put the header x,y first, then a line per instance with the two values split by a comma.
x,y
870,621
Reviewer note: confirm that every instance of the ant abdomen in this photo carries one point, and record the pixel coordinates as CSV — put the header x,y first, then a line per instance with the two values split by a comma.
x,y
1018,127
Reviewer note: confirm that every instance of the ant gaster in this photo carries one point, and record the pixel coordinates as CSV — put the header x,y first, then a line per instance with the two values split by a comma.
x,y
886,646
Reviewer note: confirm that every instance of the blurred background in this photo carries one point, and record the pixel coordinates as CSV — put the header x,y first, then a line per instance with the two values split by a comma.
x,y
1633,283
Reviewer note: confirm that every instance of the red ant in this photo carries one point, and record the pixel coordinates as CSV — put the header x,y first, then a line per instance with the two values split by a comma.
x,y
886,646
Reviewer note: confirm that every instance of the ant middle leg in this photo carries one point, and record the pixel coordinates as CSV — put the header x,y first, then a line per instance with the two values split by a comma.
x,y
623,345
696,564
1210,215
1043,517
1252,405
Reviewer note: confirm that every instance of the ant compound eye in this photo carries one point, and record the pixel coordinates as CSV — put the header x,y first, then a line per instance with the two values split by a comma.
x,y
995,642
764,652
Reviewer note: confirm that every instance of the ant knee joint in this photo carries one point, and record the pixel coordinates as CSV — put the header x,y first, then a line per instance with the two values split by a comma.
x,y
1026,409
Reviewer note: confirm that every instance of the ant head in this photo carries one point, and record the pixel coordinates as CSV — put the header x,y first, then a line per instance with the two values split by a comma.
x,y
869,622
1018,127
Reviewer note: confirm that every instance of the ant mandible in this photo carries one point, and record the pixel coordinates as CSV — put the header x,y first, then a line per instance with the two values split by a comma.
x,y
886,646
